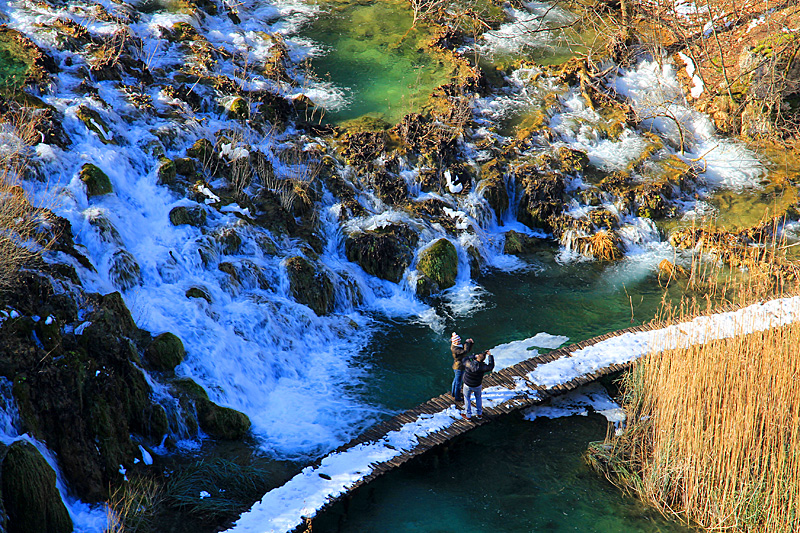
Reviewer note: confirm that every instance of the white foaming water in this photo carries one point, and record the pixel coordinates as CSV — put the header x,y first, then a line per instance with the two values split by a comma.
x,y
529,30
658,100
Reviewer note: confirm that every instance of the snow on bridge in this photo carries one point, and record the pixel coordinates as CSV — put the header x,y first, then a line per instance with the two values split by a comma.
x,y
515,384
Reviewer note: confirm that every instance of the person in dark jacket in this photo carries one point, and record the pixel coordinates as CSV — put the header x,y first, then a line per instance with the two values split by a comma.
x,y
459,351
474,369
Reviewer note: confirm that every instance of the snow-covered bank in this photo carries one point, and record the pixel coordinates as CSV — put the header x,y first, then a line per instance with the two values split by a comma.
x,y
285,507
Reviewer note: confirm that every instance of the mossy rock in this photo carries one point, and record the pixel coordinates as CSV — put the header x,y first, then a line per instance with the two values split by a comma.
x,y
493,190
165,352
219,422
185,166
518,243
239,109
572,161
223,422
309,285
124,272
439,262
94,122
193,215
228,240
48,334
23,62
198,292
96,181
32,502
385,252
167,171
202,150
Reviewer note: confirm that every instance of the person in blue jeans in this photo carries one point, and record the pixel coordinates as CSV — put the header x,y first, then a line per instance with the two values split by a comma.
x,y
474,369
459,351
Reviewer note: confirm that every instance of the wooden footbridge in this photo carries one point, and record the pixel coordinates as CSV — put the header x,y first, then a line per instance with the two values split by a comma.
x,y
393,442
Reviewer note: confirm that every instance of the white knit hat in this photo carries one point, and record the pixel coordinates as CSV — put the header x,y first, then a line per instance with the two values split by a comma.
x,y
455,340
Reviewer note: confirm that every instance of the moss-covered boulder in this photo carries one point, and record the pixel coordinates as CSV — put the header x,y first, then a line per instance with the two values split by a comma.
x,y
384,252
309,285
23,61
202,150
124,271
95,123
219,422
517,243
542,197
439,262
96,181
165,352
192,215
198,292
167,171
32,502
493,188
185,167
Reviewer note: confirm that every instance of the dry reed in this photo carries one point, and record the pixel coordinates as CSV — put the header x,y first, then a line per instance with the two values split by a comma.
x,y
713,436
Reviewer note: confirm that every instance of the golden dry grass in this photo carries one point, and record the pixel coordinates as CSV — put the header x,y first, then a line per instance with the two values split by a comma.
x,y
20,222
713,434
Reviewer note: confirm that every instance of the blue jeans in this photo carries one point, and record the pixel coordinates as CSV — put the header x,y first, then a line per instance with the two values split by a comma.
x,y
469,391
455,389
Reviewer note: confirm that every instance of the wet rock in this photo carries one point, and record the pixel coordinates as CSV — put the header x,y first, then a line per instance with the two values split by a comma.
x,y
228,240
239,109
167,171
192,215
603,218
219,422
31,499
198,292
493,188
165,352
668,270
543,196
104,227
362,148
390,188
124,271
96,181
433,210
202,150
385,252
439,263
309,285
185,167
571,161
517,243
95,123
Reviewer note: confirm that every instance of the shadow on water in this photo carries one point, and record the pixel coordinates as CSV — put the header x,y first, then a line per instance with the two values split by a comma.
x,y
511,475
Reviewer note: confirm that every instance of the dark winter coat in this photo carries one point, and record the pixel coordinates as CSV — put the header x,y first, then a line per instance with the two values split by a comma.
x,y
474,370
459,352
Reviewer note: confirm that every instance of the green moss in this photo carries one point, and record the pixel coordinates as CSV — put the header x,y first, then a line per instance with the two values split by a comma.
x,y
97,182
518,243
198,292
439,262
167,171
222,422
32,501
165,352
191,215
309,285
94,122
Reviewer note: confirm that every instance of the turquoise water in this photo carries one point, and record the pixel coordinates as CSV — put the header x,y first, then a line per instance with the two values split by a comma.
x,y
410,362
375,55
511,476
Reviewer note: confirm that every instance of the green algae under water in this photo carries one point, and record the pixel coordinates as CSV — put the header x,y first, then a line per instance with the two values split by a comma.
x,y
373,52
511,475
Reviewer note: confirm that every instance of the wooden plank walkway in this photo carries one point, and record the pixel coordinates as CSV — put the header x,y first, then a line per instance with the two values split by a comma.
x,y
513,390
